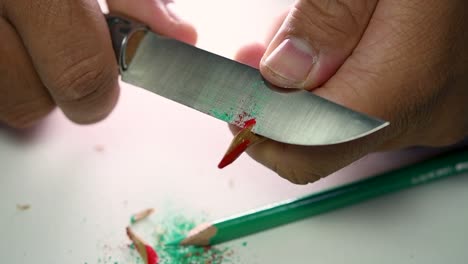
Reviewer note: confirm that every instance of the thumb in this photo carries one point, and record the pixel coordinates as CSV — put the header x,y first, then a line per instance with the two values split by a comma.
x,y
314,41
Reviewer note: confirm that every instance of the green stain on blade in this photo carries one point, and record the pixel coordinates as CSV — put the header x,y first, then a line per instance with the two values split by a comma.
x,y
227,117
250,106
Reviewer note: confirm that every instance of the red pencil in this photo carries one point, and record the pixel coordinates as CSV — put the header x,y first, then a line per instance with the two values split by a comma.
x,y
243,140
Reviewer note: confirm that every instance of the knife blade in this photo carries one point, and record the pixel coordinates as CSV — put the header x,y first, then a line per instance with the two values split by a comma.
x,y
230,91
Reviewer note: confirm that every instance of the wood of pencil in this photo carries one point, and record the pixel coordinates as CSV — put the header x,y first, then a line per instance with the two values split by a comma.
x,y
292,210
141,215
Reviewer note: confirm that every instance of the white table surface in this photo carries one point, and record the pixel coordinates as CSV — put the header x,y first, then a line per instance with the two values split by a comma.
x,y
83,182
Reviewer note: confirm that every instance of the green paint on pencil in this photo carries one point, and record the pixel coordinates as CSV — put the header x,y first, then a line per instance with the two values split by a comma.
x,y
170,226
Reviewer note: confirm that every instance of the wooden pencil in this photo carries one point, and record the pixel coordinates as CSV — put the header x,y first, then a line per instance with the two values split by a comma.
x,y
442,166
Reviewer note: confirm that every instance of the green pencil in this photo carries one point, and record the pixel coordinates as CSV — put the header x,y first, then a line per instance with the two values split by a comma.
x,y
292,210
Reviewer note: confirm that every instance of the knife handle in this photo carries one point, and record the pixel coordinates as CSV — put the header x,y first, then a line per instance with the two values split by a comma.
x,y
126,35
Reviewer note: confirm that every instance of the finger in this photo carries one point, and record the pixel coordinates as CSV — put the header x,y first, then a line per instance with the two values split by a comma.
x,y
23,98
250,54
376,79
70,47
160,15
314,40
305,164
302,164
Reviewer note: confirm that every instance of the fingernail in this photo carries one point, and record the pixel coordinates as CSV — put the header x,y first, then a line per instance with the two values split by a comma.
x,y
291,62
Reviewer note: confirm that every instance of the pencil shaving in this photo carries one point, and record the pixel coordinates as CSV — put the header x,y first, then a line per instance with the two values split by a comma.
x,y
141,215
146,252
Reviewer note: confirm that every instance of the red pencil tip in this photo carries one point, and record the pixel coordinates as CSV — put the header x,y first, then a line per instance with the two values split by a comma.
x,y
224,162
231,156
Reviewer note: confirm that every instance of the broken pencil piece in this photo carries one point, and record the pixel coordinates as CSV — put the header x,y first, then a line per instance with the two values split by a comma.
x,y
141,215
146,252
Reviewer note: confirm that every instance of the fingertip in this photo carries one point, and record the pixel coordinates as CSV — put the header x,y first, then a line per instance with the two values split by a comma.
x,y
184,32
251,54
163,17
182,29
95,106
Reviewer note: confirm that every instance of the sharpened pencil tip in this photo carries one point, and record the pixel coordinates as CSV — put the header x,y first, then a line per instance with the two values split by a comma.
x,y
224,162
239,144
231,156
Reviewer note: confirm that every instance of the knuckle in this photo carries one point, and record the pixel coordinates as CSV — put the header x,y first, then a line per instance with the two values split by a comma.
x,y
83,77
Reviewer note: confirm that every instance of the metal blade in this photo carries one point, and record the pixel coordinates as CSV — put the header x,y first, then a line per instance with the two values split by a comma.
x,y
235,93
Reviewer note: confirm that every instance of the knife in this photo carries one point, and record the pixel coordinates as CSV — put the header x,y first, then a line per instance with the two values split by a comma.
x,y
230,91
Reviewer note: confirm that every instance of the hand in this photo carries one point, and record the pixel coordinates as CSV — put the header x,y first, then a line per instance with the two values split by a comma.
x,y
402,61
58,52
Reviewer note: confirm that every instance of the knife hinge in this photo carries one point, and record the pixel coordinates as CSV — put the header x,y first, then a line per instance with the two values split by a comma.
x,y
126,35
